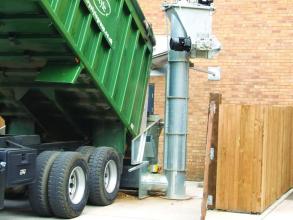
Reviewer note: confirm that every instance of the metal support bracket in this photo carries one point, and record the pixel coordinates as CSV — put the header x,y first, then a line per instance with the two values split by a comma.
x,y
142,165
139,144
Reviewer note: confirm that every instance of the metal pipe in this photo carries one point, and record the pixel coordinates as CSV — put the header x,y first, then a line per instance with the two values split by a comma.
x,y
154,182
191,26
176,115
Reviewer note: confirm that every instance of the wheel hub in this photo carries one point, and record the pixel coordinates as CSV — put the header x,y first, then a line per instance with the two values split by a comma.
x,y
110,176
76,185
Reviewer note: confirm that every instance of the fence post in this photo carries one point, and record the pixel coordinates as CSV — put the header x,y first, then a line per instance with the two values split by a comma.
x,y
212,185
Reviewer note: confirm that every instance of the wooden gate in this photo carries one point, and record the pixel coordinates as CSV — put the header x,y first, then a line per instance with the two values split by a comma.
x,y
255,165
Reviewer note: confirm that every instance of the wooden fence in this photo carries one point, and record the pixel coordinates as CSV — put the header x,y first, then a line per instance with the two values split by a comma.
x,y
254,165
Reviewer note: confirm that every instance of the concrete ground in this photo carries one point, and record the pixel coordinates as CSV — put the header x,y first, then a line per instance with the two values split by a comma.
x,y
128,207
281,210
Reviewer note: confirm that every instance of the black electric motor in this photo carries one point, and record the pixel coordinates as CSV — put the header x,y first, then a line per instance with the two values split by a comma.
x,y
205,2
180,44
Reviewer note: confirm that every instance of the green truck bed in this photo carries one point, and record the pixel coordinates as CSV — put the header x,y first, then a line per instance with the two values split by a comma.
x,y
72,69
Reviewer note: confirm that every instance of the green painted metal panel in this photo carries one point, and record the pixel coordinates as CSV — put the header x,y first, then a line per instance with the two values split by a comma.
x,y
60,74
70,65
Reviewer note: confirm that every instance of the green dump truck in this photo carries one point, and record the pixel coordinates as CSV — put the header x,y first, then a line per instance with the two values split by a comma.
x,y
73,79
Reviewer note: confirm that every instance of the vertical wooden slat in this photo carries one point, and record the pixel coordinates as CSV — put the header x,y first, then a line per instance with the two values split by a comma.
x,y
288,156
257,159
291,146
274,165
245,165
290,140
279,148
226,159
285,152
221,160
265,152
271,156
234,157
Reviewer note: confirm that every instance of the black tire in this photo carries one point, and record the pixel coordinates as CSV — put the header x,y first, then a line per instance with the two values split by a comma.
x,y
38,191
97,164
86,151
59,196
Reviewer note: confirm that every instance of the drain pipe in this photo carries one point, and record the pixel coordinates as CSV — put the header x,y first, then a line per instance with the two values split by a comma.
x,y
176,115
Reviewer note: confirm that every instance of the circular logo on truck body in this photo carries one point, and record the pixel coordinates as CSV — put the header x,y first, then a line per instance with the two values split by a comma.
x,y
103,7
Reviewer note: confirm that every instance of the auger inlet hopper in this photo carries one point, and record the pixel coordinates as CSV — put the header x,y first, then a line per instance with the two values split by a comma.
x,y
74,69
196,21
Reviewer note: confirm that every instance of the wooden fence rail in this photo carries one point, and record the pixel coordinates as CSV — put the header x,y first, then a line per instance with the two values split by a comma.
x,y
255,151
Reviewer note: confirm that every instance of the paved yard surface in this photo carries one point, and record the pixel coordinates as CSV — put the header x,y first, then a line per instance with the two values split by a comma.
x,y
154,208
281,210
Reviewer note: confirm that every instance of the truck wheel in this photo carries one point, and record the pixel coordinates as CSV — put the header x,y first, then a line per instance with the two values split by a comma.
x,y
38,191
86,151
68,185
104,176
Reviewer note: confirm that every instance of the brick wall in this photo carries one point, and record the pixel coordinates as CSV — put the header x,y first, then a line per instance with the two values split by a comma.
x,y
256,62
